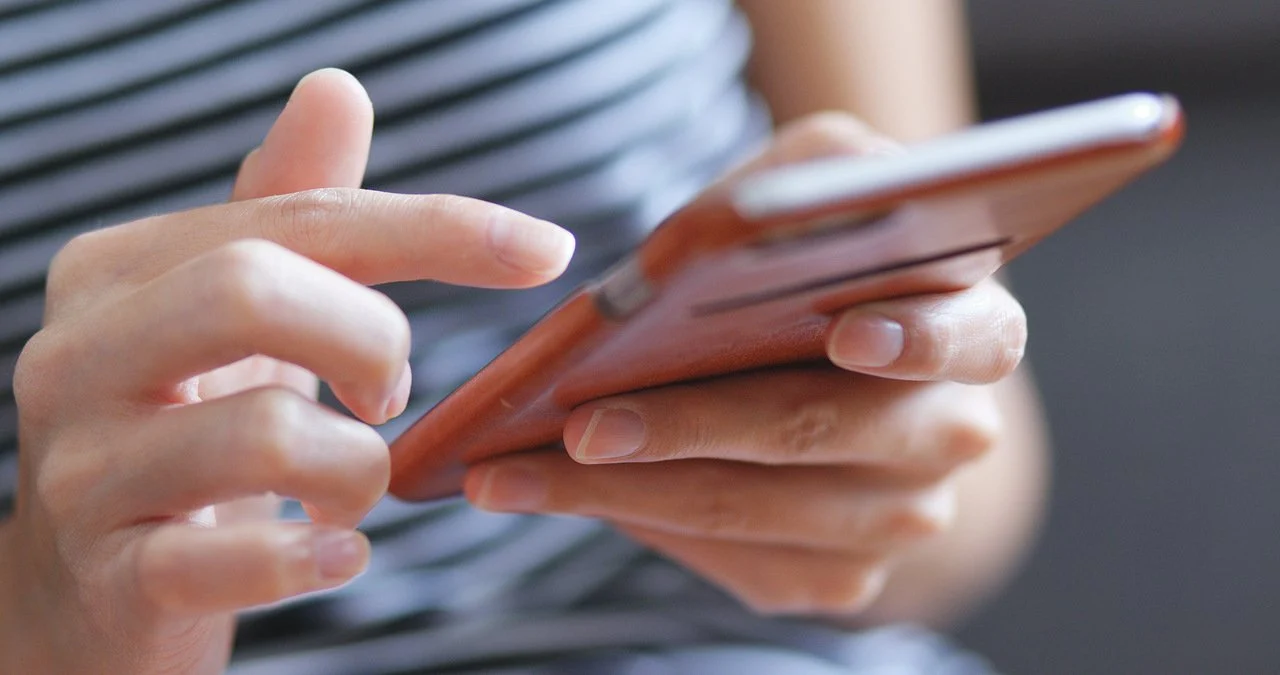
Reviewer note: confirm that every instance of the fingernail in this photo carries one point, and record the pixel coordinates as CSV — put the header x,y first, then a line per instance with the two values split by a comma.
x,y
400,396
319,73
867,341
511,488
529,244
612,433
340,554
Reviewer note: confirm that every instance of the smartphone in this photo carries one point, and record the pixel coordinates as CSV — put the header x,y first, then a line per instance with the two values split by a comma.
x,y
750,274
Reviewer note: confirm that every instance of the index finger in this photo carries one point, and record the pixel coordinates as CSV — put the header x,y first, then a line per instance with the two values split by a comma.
x,y
371,237
813,415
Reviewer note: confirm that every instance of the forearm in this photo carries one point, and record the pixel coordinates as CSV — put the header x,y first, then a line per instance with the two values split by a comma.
x,y
903,66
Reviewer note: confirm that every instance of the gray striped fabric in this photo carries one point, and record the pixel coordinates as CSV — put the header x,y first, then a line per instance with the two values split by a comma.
x,y
601,115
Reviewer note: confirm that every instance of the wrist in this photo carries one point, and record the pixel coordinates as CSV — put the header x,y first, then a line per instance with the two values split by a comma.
x,y
19,651
10,658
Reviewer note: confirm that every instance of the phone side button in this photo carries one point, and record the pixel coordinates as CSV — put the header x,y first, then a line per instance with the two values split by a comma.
x,y
623,291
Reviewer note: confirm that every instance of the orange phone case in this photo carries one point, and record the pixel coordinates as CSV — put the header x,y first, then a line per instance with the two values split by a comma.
x,y
711,292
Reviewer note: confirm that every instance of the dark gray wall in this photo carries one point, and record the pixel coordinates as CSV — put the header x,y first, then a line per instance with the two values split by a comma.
x,y
1156,338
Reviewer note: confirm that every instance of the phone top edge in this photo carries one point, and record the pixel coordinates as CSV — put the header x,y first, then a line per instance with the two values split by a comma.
x,y
1125,119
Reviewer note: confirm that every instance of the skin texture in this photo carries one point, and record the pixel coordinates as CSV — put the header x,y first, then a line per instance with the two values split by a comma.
x,y
903,66
143,500
799,490
967,520
171,391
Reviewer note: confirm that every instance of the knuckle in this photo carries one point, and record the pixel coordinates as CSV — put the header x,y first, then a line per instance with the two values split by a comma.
x,y
291,562
812,429
927,515
850,528
60,488
369,469
715,510
242,286
73,263
392,337
50,492
271,428
973,425
157,567
843,589
43,362
826,588
457,207
306,219
768,602
773,594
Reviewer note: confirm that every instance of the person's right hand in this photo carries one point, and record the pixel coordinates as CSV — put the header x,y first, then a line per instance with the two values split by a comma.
x,y
172,381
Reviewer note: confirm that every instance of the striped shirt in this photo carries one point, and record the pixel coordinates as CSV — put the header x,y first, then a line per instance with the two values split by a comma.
x,y
600,115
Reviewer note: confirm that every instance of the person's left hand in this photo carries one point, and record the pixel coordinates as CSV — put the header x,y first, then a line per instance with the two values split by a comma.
x,y
792,488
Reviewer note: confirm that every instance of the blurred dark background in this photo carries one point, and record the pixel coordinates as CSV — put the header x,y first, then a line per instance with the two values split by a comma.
x,y
1156,339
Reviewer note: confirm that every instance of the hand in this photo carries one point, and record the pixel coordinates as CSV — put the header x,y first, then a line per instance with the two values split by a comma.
x,y
796,488
172,388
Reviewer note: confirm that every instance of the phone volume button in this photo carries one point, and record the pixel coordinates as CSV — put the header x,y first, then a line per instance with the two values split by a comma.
x,y
624,290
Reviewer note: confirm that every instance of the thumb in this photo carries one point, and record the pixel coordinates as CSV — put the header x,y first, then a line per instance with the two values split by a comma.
x,y
321,139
